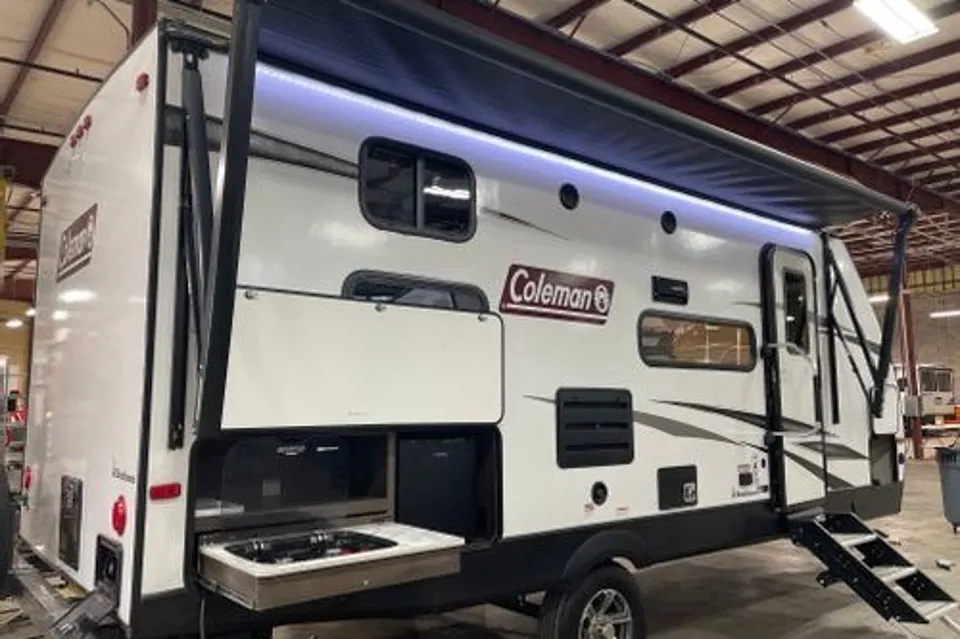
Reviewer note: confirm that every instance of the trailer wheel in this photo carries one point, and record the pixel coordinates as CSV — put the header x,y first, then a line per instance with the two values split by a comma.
x,y
604,605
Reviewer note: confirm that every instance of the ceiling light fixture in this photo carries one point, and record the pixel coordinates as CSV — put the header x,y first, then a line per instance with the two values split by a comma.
x,y
900,19
14,323
878,299
943,314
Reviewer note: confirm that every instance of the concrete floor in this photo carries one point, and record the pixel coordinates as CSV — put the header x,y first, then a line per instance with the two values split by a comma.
x,y
763,592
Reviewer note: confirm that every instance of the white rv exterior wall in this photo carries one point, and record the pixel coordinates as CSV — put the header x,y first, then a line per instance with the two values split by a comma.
x,y
89,341
304,232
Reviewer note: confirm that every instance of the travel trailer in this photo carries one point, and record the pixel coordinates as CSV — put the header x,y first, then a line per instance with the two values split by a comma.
x,y
936,400
447,324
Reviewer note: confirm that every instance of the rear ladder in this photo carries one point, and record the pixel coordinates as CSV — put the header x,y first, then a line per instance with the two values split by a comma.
x,y
886,580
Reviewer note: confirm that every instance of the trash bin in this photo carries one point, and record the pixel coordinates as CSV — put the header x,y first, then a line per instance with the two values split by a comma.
x,y
948,460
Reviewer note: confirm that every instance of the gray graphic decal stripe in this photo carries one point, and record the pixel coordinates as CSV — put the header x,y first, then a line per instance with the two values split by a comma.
x,y
677,428
754,419
667,426
833,482
833,450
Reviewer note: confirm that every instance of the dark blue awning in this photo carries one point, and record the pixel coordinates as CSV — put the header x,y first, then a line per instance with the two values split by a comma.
x,y
409,53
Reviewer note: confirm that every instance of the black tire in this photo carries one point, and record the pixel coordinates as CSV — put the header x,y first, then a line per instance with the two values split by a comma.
x,y
562,611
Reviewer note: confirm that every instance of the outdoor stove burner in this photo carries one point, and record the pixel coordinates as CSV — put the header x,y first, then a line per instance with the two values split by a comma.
x,y
306,547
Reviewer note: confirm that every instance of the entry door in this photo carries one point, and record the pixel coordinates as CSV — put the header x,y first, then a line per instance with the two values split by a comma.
x,y
792,361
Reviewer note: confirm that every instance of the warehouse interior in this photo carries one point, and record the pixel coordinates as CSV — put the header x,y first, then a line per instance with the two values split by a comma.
x,y
865,90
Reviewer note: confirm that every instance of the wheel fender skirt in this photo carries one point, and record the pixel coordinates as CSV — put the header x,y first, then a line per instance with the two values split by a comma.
x,y
603,547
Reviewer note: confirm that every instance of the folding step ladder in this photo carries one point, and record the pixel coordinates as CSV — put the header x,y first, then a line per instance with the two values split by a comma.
x,y
886,580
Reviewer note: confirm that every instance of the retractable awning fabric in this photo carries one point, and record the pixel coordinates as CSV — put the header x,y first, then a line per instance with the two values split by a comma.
x,y
410,53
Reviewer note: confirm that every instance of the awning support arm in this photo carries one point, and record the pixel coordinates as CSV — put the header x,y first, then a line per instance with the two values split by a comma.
x,y
897,272
220,283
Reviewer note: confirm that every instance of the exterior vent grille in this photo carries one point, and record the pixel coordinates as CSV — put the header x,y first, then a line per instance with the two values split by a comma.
x,y
594,427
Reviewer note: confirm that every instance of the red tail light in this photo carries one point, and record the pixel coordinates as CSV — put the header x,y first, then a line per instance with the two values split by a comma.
x,y
119,515
27,478
165,491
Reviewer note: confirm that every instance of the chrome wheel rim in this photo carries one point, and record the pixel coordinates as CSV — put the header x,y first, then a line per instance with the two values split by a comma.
x,y
606,616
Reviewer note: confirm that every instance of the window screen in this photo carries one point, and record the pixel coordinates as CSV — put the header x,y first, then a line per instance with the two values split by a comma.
x,y
795,316
372,286
693,342
411,190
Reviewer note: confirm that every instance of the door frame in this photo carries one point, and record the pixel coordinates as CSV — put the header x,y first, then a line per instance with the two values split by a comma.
x,y
771,368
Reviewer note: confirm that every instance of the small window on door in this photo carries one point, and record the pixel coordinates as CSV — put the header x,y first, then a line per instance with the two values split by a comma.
x,y
795,307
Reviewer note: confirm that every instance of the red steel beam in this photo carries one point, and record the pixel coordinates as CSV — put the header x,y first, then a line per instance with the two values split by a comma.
x,y
18,268
908,359
687,101
933,84
21,253
914,134
827,53
702,10
766,34
893,120
913,154
20,290
50,18
574,12
30,160
144,17
875,72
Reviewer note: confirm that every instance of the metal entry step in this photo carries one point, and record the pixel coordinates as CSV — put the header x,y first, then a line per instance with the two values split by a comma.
x,y
882,577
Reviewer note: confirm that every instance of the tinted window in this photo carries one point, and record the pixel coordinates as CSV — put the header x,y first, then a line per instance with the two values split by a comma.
x,y
412,291
691,342
388,186
415,191
447,197
944,382
795,310
928,380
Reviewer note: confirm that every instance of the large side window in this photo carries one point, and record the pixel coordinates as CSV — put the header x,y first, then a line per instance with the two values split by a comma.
x,y
412,190
374,286
682,341
795,310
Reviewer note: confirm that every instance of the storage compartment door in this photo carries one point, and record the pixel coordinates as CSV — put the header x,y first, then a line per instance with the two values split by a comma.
x,y
300,361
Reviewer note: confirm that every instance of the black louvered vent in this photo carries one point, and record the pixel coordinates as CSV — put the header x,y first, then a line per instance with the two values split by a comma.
x,y
594,427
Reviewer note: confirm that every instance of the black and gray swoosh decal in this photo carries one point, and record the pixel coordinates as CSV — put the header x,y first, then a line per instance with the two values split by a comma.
x,y
677,428
833,450
681,429
665,425
833,482
754,419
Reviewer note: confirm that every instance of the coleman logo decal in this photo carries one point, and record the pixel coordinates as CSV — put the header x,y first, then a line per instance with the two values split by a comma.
x,y
534,291
76,244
